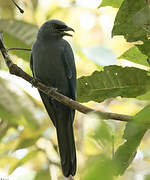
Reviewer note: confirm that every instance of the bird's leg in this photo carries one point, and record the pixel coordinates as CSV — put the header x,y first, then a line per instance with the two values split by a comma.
x,y
34,82
51,89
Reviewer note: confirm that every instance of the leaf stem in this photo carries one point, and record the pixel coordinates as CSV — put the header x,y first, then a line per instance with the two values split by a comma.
x,y
24,49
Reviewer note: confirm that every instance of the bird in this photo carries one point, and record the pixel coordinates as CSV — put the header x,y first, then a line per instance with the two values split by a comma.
x,y
52,62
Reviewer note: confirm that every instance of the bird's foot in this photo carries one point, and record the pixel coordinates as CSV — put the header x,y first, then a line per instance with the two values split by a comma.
x,y
51,89
34,82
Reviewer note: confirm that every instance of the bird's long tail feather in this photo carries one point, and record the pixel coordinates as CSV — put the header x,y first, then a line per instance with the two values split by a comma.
x,y
62,118
67,150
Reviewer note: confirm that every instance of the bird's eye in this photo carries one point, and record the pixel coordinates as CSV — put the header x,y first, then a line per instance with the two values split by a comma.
x,y
61,27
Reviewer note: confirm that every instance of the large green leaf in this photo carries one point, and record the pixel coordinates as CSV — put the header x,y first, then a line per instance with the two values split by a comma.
x,y
140,121
135,55
145,96
18,34
133,134
124,24
144,48
142,18
112,82
113,3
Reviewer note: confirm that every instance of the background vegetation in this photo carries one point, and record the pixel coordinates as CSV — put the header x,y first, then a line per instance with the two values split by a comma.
x,y
109,36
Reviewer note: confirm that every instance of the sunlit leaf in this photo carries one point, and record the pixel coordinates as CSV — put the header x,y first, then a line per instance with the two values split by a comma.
x,y
145,96
135,55
144,48
124,23
113,3
140,121
112,82
142,18
133,134
18,34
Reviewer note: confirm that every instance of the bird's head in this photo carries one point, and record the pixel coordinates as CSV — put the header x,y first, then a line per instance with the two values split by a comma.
x,y
54,28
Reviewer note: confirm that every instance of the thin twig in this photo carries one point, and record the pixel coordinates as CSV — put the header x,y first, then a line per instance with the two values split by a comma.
x,y
24,49
21,10
14,69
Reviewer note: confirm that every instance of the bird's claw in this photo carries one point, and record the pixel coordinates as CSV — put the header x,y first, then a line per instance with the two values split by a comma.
x,y
34,82
51,89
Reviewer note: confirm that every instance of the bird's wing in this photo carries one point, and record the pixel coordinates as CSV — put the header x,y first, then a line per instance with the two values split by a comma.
x,y
69,62
31,63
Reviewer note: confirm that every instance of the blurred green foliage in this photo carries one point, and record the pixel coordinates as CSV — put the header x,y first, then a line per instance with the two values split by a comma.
x,y
104,149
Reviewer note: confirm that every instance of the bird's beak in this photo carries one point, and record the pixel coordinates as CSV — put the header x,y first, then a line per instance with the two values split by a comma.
x,y
66,29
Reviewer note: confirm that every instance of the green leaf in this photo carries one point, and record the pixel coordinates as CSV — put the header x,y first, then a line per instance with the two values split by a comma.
x,y
98,167
142,18
140,121
133,134
113,3
22,161
145,96
124,24
43,174
18,34
135,55
114,81
144,48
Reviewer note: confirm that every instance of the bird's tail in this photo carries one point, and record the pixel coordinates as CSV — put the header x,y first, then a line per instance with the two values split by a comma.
x,y
67,150
62,118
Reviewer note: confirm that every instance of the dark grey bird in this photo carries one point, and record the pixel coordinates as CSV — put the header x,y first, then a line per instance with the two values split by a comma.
x,y
52,62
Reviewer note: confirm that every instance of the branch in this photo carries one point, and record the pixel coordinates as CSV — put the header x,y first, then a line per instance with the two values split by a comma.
x,y
14,69
148,2
24,49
